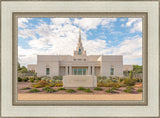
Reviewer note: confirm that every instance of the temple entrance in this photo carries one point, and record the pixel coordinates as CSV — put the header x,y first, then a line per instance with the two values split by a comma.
x,y
79,71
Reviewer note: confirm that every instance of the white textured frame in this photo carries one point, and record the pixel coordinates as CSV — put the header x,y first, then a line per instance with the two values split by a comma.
x,y
151,7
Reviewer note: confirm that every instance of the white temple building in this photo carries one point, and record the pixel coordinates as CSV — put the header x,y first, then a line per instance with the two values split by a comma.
x,y
78,64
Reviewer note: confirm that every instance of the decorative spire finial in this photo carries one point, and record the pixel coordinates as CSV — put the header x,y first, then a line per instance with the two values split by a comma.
x,y
79,35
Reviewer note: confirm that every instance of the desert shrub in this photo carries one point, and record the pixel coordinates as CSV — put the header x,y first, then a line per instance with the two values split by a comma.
x,y
34,90
26,88
50,90
70,91
36,86
19,79
58,85
129,82
114,88
88,90
80,88
41,83
31,80
110,91
114,80
60,89
57,77
131,75
25,79
98,89
120,80
138,79
139,90
129,89
104,77
38,78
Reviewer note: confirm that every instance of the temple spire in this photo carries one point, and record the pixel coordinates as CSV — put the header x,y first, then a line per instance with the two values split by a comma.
x,y
79,35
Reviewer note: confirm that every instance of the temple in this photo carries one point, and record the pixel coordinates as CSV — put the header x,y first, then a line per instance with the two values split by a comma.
x,y
79,64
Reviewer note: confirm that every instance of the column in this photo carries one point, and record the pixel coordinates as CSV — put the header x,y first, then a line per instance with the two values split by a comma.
x,y
66,68
89,70
70,70
93,70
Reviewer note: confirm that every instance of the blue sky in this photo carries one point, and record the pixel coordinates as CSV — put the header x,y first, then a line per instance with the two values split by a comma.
x,y
100,36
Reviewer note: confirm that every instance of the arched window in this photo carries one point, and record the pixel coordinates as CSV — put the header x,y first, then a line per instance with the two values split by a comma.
x,y
79,52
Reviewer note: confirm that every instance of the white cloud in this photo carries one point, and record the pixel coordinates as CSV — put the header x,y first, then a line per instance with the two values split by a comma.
x,y
131,49
122,25
22,21
25,33
92,23
60,21
137,24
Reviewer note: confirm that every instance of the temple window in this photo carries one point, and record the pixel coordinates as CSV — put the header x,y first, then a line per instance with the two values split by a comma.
x,y
79,52
47,71
112,71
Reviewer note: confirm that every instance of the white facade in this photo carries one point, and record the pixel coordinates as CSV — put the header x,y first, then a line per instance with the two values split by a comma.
x,y
79,64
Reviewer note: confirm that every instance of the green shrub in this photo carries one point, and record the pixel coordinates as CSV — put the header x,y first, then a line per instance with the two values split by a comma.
x,y
129,82
57,77
60,89
71,91
98,89
38,78
50,90
25,79
19,79
45,88
129,89
80,88
31,80
131,74
26,88
34,90
88,90
139,90
110,91
104,77
114,88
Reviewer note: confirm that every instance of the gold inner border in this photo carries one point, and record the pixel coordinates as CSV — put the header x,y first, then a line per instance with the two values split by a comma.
x,y
142,15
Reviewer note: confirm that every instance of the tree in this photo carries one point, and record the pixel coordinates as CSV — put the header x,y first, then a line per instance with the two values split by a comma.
x,y
137,69
131,74
18,66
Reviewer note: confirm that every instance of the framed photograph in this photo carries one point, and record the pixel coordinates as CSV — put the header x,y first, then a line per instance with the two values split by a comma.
x,y
80,59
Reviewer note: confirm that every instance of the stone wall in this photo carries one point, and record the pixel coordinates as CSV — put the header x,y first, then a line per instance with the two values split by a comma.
x,y
79,81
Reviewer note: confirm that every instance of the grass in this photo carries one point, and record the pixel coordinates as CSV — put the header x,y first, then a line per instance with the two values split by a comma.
x,y
26,88
88,91
139,90
61,89
34,90
110,91
98,89
80,88
70,91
